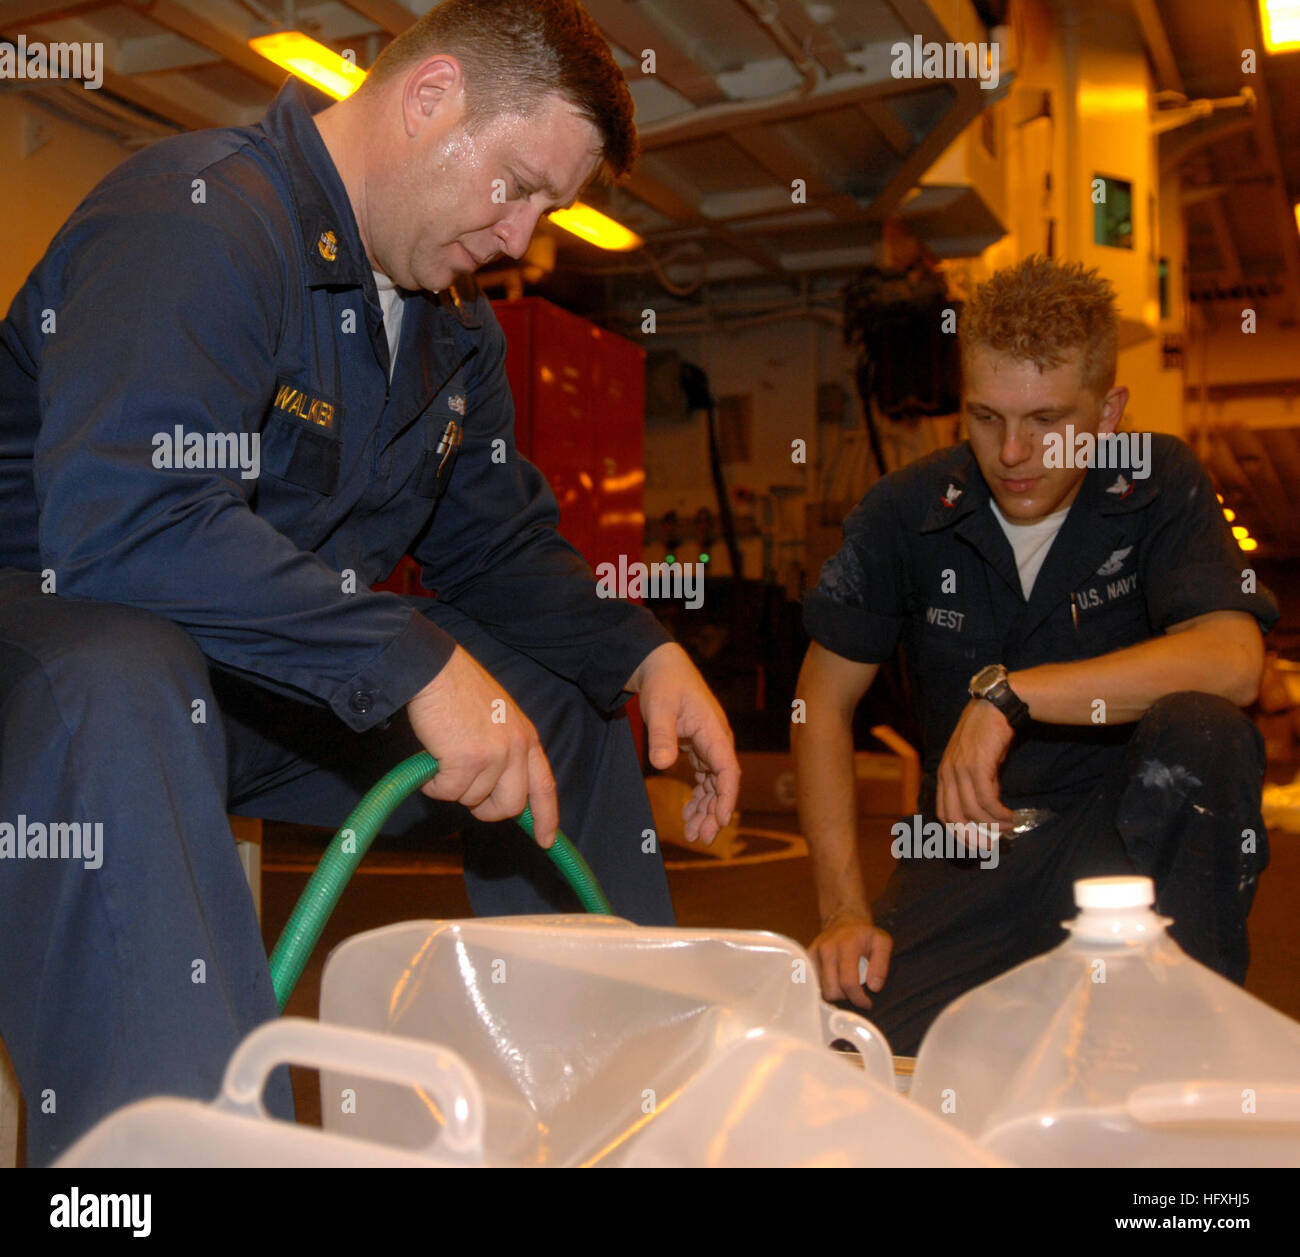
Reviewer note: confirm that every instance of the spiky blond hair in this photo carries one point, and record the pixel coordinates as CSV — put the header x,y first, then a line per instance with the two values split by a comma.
x,y
1041,311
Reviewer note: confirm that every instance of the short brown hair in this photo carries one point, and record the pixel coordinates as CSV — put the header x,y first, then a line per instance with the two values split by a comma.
x,y
1041,311
515,53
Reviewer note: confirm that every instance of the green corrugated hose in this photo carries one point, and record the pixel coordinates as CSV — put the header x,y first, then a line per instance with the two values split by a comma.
x,y
348,849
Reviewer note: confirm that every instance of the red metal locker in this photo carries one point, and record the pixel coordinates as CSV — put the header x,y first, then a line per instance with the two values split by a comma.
x,y
579,396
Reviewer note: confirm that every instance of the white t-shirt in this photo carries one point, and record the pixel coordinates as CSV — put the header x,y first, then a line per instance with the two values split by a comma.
x,y
391,300
1031,542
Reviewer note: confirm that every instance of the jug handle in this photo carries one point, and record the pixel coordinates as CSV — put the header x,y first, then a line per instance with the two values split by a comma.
x,y
871,1045
389,1058
1218,1101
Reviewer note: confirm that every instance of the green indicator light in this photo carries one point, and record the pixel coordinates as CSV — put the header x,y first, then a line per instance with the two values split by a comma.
x,y
670,559
704,558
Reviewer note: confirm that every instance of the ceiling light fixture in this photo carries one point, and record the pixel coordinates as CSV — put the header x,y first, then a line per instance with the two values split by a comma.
x,y
320,66
1280,20
596,228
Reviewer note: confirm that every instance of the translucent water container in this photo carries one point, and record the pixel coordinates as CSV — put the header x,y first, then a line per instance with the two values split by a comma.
x,y
578,1029
236,1130
1116,1049
770,1101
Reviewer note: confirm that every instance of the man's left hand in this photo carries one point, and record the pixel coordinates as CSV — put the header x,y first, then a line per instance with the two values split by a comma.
x,y
678,708
968,773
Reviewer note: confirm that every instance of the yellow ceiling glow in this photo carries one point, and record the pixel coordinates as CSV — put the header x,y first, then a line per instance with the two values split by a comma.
x,y
303,56
1280,20
595,228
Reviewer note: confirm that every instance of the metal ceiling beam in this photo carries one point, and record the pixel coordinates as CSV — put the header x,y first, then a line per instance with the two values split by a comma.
x,y
768,15
165,105
1252,457
662,198
1195,193
16,13
226,43
1206,197
1240,488
1172,155
1284,450
634,33
745,124
1275,198
140,54
112,107
100,113
1229,474
844,91
1231,271
779,160
1168,79
705,124
388,15
1288,389
892,131
959,116
659,196
814,36
134,89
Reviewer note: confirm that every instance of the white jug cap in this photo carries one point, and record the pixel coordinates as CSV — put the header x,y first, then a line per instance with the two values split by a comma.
x,y
1114,892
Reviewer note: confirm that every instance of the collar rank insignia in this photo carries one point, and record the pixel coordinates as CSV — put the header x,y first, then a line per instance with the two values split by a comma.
x,y
1121,488
949,499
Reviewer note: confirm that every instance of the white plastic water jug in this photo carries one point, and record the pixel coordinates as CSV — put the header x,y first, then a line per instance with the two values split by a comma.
x,y
578,1029
236,1130
772,1101
1118,1049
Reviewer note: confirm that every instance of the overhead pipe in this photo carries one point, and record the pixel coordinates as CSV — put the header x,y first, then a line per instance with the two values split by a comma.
x,y
769,16
1165,120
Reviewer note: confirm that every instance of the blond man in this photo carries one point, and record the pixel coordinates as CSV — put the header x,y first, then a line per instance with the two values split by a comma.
x,y
1080,631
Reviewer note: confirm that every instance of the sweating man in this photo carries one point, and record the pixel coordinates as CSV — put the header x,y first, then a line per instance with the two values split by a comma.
x,y
1080,631
238,387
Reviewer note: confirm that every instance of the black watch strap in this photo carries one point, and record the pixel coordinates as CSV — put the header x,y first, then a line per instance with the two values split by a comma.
x,y
1005,699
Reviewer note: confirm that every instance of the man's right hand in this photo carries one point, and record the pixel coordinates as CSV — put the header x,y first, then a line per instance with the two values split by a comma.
x,y
838,952
492,767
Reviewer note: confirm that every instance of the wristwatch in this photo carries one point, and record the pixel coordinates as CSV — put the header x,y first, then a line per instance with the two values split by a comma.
x,y
991,683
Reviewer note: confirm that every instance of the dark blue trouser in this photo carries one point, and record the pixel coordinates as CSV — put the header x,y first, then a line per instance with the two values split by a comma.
x,y
139,976
1179,806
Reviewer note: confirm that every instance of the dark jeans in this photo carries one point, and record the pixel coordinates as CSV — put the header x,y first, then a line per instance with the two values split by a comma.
x,y
139,977
1179,808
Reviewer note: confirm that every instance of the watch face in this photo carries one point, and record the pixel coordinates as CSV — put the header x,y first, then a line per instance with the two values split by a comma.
x,y
986,678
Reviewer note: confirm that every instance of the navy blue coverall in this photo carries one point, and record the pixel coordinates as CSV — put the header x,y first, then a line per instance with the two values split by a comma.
x,y
1175,796
177,641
